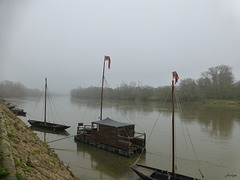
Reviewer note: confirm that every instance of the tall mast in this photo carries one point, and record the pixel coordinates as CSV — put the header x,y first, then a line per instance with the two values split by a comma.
x,y
102,89
45,107
173,143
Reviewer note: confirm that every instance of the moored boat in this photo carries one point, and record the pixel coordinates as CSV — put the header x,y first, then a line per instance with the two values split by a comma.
x,y
150,173
44,124
111,135
47,125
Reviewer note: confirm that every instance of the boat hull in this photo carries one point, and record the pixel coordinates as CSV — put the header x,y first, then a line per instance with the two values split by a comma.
x,y
106,147
47,125
149,173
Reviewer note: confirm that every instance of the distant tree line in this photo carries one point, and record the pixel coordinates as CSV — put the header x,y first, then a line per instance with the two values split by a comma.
x,y
215,83
16,89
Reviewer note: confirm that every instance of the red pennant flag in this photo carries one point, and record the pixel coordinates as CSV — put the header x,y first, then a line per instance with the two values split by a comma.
x,y
175,76
107,58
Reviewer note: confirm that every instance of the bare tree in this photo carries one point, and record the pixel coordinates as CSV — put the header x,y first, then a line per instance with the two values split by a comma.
x,y
188,90
217,82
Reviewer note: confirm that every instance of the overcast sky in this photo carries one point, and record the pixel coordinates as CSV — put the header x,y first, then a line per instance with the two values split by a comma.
x,y
66,40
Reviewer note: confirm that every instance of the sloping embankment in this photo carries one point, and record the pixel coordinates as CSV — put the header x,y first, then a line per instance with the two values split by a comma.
x,y
24,155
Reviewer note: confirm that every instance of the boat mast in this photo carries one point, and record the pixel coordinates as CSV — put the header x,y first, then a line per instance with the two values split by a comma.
x,y
102,89
173,143
45,106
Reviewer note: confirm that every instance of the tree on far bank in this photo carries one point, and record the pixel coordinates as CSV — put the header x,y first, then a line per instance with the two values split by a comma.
x,y
188,90
216,82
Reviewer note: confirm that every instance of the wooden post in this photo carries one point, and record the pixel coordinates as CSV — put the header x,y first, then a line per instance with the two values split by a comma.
x,y
45,107
102,89
173,143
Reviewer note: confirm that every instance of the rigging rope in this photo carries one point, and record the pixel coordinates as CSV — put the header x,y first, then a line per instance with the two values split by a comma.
x,y
148,137
60,139
105,80
84,115
195,154
55,109
74,165
123,126
37,103
50,108
151,130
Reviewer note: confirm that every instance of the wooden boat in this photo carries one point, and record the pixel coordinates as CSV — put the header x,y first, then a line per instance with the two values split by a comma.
x,y
47,125
150,173
15,110
111,135
44,124
18,112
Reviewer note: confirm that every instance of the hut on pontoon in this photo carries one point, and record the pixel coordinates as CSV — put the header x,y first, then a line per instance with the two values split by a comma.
x,y
113,136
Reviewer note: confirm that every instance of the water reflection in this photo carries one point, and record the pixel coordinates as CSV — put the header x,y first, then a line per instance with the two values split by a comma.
x,y
107,163
45,134
64,133
216,121
124,106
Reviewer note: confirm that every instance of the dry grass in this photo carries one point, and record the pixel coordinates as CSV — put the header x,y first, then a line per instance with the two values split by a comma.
x,y
33,159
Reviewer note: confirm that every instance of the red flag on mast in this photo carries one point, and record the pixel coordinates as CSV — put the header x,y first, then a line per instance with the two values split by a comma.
x,y
175,76
107,58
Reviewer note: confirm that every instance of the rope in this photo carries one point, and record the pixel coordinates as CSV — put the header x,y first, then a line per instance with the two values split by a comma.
x,y
59,149
36,103
148,138
60,139
50,109
84,115
123,127
74,165
132,121
195,154
55,109
105,80
151,131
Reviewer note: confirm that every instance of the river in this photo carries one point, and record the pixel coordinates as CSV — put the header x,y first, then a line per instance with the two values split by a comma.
x,y
214,132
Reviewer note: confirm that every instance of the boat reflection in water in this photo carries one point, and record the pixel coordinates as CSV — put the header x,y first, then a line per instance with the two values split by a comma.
x,y
48,132
64,132
105,162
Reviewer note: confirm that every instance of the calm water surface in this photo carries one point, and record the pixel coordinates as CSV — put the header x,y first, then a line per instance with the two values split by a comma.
x,y
214,132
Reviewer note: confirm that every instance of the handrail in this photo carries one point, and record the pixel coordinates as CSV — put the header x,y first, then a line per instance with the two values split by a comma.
x,y
141,134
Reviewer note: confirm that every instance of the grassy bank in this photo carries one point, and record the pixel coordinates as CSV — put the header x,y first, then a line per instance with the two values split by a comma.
x,y
3,172
219,102
33,159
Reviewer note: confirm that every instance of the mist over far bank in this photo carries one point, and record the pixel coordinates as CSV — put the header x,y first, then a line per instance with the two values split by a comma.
x,y
215,83
9,89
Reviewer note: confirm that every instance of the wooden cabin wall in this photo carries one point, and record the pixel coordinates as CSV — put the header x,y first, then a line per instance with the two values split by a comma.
x,y
109,136
127,131
106,135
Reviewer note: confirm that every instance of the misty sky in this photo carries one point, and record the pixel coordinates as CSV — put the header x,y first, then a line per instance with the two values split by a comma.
x,y
66,41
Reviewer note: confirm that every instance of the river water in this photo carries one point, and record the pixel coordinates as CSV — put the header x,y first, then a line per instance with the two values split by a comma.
x,y
214,133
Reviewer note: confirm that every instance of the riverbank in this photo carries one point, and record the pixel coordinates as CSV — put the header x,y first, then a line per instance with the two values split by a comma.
x,y
218,102
29,157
